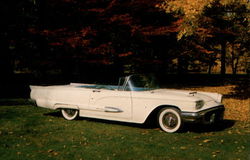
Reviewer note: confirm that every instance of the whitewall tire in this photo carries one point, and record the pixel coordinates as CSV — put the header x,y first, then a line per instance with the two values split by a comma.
x,y
169,120
69,114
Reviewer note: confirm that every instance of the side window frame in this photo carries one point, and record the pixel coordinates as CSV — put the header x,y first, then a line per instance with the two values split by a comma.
x,y
123,84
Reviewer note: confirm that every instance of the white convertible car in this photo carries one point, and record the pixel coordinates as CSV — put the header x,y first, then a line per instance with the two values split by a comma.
x,y
134,99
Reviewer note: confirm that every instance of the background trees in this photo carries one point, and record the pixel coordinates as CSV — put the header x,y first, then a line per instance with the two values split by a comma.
x,y
116,35
213,25
111,37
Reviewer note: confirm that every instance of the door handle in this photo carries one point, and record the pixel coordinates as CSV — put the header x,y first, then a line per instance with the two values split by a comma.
x,y
95,90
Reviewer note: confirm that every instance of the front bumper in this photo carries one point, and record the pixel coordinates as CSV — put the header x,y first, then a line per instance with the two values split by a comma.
x,y
207,116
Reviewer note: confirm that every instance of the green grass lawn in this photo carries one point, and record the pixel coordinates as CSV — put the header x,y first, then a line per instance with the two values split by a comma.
x,y
28,132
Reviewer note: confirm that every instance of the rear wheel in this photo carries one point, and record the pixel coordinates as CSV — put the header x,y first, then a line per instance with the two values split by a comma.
x,y
169,120
69,114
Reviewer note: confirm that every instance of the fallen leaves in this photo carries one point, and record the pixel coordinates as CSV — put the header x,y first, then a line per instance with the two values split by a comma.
x,y
221,141
10,132
237,109
53,152
216,152
196,137
145,132
207,140
183,148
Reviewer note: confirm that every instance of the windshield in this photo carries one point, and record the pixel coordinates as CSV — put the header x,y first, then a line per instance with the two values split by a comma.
x,y
142,83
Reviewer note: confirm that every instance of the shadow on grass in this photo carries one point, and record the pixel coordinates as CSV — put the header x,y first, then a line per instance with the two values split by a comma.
x,y
15,102
188,127
54,114
58,115
200,128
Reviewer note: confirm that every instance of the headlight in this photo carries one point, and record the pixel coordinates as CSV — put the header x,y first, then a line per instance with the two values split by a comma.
x,y
199,104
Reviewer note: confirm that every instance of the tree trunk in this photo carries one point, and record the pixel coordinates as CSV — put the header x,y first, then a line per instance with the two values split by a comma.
x,y
233,63
182,65
209,68
236,66
223,57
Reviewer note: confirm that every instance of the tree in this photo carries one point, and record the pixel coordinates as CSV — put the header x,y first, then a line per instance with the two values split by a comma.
x,y
238,15
118,33
210,20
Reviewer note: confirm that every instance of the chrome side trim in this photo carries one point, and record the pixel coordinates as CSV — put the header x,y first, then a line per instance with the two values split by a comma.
x,y
112,109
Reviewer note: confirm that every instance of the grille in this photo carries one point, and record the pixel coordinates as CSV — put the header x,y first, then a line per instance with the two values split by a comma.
x,y
214,116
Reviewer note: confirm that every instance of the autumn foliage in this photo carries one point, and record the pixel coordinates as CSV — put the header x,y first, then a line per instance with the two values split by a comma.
x,y
164,36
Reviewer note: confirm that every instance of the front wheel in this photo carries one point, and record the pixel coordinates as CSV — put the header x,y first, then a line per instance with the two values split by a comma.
x,y
169,120
69,114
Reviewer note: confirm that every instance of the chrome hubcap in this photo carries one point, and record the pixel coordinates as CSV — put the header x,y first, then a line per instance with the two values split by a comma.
x,y
170,120
70,112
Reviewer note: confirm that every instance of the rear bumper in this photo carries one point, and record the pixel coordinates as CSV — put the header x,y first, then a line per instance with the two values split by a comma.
x,y
207,116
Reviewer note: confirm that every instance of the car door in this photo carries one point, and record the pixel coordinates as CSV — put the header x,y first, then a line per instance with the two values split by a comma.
x,y
111,103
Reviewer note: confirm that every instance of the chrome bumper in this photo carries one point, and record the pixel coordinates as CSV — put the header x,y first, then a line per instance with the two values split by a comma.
x,y
207,116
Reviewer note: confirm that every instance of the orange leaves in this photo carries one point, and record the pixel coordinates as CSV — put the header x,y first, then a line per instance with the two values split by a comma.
x,y
237,109
102,49
154,31
97,10
69,1
207,140
183,148
87,31
53,152
125,54
202,49
77,41
32,30
190,10
204,32
122,18
47,32
56,44
194,11
62,36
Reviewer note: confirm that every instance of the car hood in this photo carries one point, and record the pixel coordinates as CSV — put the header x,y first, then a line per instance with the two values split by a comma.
x,y
184,95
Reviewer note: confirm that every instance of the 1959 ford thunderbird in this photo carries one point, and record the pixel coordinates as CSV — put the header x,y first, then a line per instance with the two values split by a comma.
x,y
134,99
